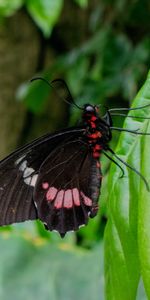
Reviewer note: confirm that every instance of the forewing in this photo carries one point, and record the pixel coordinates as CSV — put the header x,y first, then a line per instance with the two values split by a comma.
x,y
19,173
67,188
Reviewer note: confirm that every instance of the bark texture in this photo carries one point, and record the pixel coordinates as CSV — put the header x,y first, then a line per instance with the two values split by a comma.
x,y
23,52
19,48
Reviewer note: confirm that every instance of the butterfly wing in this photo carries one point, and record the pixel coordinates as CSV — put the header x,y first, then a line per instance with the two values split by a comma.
x,y
67,188
19,173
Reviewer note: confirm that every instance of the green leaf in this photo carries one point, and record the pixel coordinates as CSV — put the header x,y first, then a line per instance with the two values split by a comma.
x,y
38,270
127,212
82,3
34,95
45,13
7,7
144,213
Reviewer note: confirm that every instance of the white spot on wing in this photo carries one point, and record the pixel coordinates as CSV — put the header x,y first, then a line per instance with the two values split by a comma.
x,y
34,180
19,159
23,166
28,180
36,206
54,230
28,172
31,180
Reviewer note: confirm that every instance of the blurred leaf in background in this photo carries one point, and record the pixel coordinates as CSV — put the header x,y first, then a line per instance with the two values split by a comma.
x,y
82,3
7,7
45,13
38,269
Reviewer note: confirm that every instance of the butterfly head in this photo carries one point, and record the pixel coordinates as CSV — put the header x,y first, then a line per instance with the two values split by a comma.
x,y
91,109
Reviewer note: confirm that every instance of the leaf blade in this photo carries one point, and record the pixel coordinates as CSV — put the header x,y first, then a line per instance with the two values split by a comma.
x,y
123,210
45,13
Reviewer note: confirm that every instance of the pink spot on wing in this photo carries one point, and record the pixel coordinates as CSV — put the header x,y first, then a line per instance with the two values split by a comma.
x,y
51,193
45,185
98,164
87,200
59,199
68,203
76,197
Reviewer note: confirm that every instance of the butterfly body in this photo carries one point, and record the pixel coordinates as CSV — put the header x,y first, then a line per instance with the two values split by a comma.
x,y
71,194
56,178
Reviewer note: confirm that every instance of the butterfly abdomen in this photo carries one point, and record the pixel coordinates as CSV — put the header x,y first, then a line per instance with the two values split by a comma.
x,y
93,133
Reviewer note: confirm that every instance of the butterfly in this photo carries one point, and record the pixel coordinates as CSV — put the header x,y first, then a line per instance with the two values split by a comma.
x,y
57,177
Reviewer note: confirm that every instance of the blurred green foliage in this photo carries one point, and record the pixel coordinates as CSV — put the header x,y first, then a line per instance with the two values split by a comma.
x,y
107,68
82,3
49,271
44,13
7,7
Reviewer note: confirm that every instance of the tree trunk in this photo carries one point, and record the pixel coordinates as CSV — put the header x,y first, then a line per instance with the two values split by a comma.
x,y
19,49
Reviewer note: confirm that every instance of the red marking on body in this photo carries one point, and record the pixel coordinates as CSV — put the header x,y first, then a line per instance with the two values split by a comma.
x,y
93,118
59,199
93,125
95,135
45,185
76,197
96,151
68,201
87,200
51,193
97,147
96,154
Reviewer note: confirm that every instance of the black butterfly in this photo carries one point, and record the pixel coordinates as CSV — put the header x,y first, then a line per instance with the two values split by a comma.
x,y
57,177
